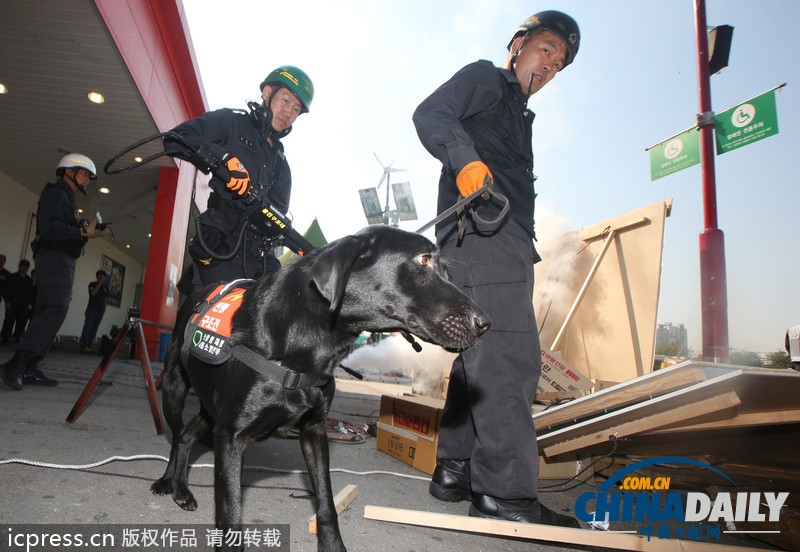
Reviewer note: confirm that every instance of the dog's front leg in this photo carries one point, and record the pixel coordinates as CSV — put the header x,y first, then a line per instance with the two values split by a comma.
x,y
314,442
228,452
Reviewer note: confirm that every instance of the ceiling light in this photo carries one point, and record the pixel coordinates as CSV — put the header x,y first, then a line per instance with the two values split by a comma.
x,y
80,210
137,159
96,97
127,246
104,190
149,235
3,88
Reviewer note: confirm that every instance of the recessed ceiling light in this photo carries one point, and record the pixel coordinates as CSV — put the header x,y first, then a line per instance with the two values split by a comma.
x,y
96,97
104,190
148,235
3,89
80,210
127,246
137,159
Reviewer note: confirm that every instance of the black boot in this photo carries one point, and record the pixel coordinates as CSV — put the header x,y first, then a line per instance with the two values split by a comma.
x,y
13,370
34,375
450,481
526,510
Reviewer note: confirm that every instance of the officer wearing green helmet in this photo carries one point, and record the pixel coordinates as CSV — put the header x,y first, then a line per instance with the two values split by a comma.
x,y
248,144
478,125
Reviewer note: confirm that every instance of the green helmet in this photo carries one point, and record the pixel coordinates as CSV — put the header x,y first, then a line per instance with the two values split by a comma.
x,y
558,23
296,80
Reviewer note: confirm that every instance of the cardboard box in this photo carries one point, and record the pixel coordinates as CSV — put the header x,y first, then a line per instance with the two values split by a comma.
x,y
559,376
408,429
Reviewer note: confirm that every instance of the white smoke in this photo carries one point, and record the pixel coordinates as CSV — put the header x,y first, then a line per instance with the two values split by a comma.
x,y
555,274
427,368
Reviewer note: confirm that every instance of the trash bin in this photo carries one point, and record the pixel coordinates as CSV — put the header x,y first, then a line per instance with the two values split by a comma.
x,y
162,350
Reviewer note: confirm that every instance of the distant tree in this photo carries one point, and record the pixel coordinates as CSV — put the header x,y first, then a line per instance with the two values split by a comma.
x,y
672,349
745,358
779,359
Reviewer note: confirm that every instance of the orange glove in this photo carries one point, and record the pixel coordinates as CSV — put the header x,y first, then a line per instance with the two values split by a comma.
x,y
240,178
471,178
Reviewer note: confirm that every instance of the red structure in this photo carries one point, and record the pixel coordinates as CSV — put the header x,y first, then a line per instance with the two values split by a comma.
x,y
153,39
713,284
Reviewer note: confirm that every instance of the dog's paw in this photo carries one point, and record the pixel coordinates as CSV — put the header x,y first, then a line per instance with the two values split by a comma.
x,y
161,487
187,502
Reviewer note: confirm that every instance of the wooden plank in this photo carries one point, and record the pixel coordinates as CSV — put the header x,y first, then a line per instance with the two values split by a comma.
x,y
342,500
644,387
746,419
546,533
599,229
680,399
658,419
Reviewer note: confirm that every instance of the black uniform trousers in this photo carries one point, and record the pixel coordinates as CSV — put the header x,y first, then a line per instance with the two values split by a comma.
x,y
487,414
55,274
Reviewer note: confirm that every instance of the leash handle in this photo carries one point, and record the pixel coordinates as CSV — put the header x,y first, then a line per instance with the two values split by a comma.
x,y
459,206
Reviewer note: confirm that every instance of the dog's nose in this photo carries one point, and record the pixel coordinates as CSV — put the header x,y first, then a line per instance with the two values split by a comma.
x,y
481,323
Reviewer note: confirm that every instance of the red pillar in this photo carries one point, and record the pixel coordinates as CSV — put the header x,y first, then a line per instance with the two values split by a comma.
x,y
713,285
165,255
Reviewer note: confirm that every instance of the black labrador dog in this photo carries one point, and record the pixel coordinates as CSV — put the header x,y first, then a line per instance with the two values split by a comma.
x,y
304,319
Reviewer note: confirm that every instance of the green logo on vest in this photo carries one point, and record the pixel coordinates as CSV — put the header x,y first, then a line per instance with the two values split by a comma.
x,y
197,338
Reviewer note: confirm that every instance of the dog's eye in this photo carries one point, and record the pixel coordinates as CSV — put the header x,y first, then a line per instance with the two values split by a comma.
x,y
426,259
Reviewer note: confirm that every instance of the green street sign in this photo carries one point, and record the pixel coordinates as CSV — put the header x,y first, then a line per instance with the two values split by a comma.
x,y
675,154
746,123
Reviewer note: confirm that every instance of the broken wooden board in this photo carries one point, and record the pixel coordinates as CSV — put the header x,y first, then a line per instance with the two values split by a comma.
x,y
651,385
759,430
683,404
545,533
341,501
769,397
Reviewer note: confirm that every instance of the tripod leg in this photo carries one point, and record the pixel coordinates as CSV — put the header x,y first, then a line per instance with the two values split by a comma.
x,y
158,418
98,375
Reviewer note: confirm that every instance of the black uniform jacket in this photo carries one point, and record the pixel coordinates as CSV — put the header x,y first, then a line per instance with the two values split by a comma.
x,y
480,114
57,220
243,135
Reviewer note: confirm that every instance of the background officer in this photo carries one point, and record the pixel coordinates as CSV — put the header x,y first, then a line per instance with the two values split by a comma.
x,y
60,236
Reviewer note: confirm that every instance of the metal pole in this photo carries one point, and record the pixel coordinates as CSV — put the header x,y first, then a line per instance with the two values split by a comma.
x,y
713,285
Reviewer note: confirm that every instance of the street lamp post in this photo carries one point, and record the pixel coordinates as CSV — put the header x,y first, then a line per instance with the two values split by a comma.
x,y
713,285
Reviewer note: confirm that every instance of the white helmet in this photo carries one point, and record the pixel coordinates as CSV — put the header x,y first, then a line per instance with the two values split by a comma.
x,y
77,160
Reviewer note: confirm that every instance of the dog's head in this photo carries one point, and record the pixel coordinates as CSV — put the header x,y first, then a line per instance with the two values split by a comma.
x,y
386,279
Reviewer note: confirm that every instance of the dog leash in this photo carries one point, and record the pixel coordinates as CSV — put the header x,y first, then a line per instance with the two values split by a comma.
x,y
459,207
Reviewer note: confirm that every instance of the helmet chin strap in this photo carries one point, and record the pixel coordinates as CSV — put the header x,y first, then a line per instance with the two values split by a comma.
x,y
264,110
513,62
81,187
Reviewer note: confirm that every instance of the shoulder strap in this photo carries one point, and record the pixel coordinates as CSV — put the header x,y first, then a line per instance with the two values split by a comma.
x,y
274,371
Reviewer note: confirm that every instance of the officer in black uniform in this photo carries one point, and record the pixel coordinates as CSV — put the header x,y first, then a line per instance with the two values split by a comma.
x,y
249,146
478,124
60,235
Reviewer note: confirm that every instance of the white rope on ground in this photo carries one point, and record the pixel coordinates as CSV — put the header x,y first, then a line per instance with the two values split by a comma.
x,y
136,457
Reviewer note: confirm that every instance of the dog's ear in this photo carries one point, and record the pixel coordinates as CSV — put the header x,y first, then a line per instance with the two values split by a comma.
x,y
332,266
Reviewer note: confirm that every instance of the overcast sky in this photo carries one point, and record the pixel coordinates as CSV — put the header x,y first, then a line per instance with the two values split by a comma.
x,y
633,84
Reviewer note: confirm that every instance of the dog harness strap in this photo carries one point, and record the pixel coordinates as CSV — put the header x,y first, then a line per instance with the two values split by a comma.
x,y
274,371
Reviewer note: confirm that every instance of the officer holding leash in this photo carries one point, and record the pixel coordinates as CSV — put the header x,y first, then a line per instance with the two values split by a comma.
x,y
249,145
60,237
478,125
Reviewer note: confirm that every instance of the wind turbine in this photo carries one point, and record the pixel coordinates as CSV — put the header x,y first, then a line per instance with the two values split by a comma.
x,y
371,204
387,170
